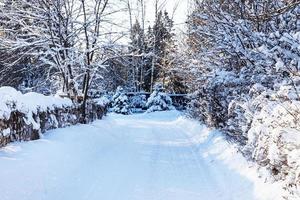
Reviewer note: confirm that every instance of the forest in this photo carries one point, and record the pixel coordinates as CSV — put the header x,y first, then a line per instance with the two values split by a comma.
x,y
232,65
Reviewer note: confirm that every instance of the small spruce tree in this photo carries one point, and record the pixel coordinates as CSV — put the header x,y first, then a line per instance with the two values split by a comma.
x,y
159,100
120,102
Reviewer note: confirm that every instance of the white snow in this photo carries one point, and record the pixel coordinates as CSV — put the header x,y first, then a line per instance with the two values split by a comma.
x,y
6,132
11,99
155,156
159,100
120,102
102,101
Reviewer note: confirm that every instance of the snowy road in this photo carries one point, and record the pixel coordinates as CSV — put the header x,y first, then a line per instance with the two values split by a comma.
x,y
158,156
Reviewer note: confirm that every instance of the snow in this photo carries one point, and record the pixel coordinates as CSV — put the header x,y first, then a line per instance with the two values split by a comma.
x,y
120,102
279,65
138,101
159,100
6,132
102,101
11,99
229,156
153,156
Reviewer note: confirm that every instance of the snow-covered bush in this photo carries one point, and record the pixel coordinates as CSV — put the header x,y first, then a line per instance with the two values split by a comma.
x,y
138,101
274,136
102,101
120,102
29,103
158,100
25,116
246,78
235,49
267,123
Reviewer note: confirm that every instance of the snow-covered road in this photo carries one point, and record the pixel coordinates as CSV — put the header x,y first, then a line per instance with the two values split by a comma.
x,y
157,156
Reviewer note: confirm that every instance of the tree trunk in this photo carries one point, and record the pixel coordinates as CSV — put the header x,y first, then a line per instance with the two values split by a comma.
x,y
85,96
152,74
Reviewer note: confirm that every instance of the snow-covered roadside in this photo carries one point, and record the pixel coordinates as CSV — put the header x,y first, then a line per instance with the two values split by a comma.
x,y
29,103
214,147
155,156
228,154
26,116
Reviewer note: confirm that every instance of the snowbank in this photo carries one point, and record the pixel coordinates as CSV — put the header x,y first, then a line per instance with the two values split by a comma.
x,y
215,148
25,116
13,100
270,123
228,154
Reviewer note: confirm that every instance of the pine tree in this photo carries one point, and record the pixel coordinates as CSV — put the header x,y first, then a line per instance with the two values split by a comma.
x,y
137,49
120,102
163,46
158,100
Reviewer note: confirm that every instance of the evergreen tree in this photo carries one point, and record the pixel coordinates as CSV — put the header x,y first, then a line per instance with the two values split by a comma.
x,y
153,52
163,46
158,100
137,49
120,102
